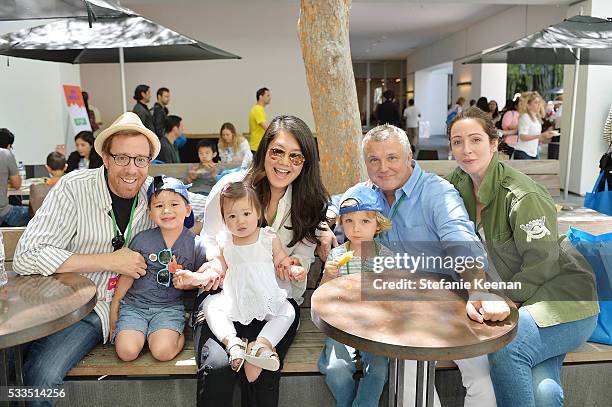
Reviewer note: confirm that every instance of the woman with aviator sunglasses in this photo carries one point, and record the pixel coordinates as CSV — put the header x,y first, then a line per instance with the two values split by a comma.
x,y
285,174
150,308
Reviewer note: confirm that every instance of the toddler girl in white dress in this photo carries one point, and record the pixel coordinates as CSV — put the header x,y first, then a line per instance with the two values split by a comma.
x,y
250,255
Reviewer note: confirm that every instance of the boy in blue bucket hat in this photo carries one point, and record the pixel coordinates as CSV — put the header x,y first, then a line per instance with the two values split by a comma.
x,y
150,308
361,218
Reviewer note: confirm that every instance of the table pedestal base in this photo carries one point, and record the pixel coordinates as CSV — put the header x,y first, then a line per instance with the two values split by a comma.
x,y
425,377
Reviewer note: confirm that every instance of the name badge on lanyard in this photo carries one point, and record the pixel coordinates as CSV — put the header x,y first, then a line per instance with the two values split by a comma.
x,y
110,288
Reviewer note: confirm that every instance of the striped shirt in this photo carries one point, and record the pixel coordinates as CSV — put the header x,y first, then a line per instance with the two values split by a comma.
x,y
354,264
74,219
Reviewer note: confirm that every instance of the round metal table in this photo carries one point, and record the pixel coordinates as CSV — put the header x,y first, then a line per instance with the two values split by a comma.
x,y
414,324
32,307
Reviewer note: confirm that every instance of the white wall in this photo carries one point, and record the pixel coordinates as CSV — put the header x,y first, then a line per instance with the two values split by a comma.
x,y
432,103
33,106
493,79
207,93
466,73
592,105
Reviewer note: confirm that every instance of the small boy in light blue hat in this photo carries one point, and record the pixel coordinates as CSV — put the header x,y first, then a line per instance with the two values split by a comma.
x,y
150,309
361,218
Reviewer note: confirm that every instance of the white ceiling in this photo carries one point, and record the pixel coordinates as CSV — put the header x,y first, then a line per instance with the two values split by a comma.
x,y
392,29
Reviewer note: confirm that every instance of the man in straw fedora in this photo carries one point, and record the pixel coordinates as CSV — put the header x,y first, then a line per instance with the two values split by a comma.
x,y
84,226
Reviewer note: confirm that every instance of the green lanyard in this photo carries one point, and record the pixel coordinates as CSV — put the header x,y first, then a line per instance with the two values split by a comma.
x,y
397,205
129,226
394,211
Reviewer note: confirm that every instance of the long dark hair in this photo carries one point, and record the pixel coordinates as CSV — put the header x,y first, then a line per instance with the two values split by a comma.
x,y
95,160
483,104
309,197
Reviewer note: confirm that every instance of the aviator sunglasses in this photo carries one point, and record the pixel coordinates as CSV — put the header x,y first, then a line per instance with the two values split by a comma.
x,y
276,153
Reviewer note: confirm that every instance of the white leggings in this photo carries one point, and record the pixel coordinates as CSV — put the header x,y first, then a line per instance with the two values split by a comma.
x,y
222,326
474,375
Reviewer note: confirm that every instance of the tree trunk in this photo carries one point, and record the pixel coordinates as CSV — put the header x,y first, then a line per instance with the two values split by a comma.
x,y
324,37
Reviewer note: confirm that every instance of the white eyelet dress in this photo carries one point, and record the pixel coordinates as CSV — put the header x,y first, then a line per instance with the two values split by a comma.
x,y
250,285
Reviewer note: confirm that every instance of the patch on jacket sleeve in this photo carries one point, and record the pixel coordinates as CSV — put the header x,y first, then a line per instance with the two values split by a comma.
x,y
536,229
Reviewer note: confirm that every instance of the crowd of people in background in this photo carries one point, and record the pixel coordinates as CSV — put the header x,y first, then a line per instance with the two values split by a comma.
x,y
524,124
231,152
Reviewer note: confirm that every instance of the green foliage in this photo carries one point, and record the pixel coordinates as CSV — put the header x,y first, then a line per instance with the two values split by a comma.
x,y
530,77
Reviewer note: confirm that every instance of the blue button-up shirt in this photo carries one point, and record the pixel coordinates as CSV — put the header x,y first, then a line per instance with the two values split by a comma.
x,y
426,215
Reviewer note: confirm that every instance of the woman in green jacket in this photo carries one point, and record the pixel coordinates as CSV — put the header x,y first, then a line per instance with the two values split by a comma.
x,y
517,220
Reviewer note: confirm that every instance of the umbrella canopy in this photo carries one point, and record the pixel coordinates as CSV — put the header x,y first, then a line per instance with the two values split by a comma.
x,y
557,44
122,39
73,41
37,9
579,40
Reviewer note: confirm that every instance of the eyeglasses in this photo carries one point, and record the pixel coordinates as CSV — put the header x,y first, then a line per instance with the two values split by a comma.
x,y
123,160
118,241
163,275
276,153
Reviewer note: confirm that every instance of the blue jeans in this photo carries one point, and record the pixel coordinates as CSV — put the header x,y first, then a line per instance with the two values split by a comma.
x,y
16,216
48,360
337,363
527,371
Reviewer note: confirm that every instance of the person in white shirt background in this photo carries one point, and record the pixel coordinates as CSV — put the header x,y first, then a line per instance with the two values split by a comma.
x,y
530,127
411,115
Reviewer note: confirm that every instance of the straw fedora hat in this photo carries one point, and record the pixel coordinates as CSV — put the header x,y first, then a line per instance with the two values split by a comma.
x,y
128,121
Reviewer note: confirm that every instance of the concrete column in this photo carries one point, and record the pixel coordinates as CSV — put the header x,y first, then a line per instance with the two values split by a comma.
x,y
493,78
431,89
594,98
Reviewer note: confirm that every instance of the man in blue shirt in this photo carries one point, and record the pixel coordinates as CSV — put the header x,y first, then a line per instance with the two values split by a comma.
x,y
426,209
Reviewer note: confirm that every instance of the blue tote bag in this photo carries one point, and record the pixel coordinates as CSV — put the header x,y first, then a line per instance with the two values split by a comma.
x,y
600,199
598,252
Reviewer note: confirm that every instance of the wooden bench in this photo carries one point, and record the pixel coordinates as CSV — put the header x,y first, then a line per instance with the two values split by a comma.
x,y
301,358
544,172
102,360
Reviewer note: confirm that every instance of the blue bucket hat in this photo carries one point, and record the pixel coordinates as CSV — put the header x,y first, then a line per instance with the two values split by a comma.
x,y
366,199
165,183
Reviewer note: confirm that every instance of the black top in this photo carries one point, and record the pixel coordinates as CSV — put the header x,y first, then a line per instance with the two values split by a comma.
x,y
145,115
388,113
159,119
168,153
95,161
122,208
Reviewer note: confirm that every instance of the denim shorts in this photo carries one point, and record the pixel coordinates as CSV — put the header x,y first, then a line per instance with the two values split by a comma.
x,y
149,320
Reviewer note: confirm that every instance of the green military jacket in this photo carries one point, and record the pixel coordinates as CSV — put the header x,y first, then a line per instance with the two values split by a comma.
x,y
519,221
